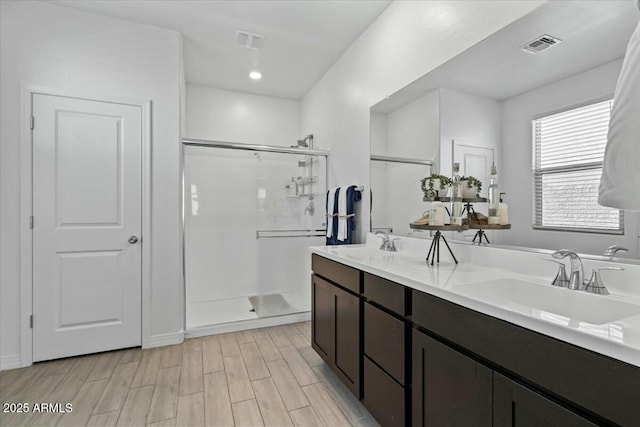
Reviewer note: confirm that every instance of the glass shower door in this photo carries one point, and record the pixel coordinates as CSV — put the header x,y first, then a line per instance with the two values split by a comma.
x,y
221,251
290,208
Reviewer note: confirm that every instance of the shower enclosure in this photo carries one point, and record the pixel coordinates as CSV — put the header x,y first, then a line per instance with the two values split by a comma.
x,y
250,212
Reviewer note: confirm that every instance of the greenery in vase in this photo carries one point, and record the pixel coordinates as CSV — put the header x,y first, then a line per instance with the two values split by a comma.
x,y
427,184
471,181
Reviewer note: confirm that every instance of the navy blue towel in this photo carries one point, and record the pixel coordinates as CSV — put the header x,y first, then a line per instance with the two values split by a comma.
x,y
353,196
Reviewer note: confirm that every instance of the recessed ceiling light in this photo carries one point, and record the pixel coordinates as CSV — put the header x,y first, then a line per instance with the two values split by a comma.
x,y
255,75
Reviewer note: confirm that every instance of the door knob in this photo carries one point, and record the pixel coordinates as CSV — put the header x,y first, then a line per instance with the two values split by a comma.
x,y
133,239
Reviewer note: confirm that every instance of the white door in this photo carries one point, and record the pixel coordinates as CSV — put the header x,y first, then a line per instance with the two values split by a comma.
x,y
87,215
475,161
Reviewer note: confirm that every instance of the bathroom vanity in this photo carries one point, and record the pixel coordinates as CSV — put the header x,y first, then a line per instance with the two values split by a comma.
x,y
487,342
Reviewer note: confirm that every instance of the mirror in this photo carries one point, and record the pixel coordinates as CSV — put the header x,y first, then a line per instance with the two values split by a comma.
x,y
404,147
478,108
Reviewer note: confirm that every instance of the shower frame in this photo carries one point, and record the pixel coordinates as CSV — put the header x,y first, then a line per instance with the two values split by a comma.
x,y
194,142
404,161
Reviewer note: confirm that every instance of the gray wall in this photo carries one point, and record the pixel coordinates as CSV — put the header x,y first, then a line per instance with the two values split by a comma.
x,y
517,114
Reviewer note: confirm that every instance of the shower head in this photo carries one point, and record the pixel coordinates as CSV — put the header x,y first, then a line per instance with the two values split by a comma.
x,y
306,142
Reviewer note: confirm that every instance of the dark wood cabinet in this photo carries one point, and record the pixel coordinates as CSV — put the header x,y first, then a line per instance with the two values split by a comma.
x,y
322,314
449,388
516,405
336,321
383,396
417,359
346,353
571,375
386,293
384,341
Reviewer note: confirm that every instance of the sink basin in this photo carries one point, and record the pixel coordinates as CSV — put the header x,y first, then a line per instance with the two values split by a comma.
x,y
548,302
379,258
361,252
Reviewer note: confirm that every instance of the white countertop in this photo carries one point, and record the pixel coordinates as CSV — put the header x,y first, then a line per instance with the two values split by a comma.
x,y
513,286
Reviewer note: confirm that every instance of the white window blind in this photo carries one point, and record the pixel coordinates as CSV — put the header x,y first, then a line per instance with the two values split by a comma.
x,y
568,149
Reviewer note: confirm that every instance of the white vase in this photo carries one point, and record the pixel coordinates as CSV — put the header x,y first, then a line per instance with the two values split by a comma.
x,y
436,188
468,193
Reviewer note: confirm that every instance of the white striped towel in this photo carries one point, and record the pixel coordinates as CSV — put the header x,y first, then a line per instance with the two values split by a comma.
x,y
331,208
342,213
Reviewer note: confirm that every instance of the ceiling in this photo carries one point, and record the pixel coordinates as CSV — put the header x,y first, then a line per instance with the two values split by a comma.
x,y
302,38
593,33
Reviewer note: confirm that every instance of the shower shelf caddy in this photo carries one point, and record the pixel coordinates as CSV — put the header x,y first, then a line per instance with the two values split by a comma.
x,y
304,182
307,179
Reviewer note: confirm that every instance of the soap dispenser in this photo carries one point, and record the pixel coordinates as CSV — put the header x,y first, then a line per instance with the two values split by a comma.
x,y
503,212
494,198
436,214
456,196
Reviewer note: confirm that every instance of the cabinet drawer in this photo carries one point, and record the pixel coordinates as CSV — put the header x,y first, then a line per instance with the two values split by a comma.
x,y
384,341
386,293
383,397
340,274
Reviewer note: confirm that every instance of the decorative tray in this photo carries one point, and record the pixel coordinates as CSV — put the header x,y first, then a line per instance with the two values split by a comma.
x,y
489,226
448,199
446,227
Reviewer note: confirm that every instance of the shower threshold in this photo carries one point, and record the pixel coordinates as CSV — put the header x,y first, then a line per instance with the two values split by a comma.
x,y
270,305
240,309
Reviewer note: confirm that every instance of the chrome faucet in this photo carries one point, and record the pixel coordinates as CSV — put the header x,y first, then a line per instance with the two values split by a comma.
x,y
611,251
387,243
576,277
561,278
595,285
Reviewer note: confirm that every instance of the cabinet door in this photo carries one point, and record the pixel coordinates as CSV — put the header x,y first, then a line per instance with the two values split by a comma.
x,y
516,405
383,396
448,388
346,359
322,318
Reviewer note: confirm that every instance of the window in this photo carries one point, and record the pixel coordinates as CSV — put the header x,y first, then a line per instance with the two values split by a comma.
x,y
568,149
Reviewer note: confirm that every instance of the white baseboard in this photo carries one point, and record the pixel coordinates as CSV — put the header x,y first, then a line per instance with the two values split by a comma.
x,y
165,339
243,325
9,362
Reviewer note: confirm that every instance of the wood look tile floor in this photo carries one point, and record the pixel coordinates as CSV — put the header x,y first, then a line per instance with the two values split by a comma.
x,y
262,377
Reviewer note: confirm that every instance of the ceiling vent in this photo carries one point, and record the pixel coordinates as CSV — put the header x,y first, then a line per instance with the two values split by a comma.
x,y
541,43
249,40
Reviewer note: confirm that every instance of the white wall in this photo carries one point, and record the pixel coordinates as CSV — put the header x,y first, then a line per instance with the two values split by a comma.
x,y
225,115
407,41
379,134
517,114
468,119
413,130
81,53
379,178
